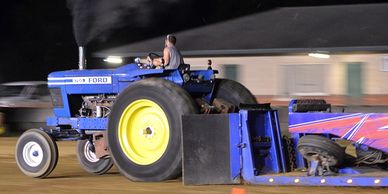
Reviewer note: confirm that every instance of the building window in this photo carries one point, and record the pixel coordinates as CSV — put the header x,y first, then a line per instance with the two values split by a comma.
x,y
304,80
385,63
231,71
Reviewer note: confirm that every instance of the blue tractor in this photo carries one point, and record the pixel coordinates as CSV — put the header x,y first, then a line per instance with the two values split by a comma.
x,y
129,116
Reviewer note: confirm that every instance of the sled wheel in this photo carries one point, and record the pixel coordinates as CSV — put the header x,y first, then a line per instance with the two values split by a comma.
x,y
314,147
36,153
89,161
144,134
233,92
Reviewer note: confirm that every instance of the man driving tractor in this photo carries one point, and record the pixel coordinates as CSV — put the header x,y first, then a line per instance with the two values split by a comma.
x,y
172,58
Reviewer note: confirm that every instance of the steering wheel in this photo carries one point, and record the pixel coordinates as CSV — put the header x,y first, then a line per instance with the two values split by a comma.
x,y
152,56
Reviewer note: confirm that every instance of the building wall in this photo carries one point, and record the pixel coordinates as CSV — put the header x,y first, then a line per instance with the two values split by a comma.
x,y
267,75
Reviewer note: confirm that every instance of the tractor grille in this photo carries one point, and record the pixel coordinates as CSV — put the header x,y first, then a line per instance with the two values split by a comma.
x,y
56,97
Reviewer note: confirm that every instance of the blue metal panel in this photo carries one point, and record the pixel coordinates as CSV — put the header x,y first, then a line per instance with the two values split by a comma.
x,y
234,145
52,121
262,150
248,169
321,181
55,121
349,171
295,118
206,74
174,76
79,123
93,123
128,68
129,71
80,73
271,164
90,89
124,72
86,81
274,119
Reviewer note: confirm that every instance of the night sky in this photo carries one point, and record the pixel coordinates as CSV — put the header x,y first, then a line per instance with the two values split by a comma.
x,y
37,35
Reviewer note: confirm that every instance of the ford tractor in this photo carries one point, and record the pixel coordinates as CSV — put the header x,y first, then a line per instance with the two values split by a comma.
x,y
130,116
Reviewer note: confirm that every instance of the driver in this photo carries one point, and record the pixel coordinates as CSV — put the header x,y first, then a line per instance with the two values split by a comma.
x,y
172,58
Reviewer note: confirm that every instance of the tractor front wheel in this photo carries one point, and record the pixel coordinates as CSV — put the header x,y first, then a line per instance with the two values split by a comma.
x,y
89,161
36,153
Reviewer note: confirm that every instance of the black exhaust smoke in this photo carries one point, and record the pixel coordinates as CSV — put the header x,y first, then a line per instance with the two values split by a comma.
x,y
94,19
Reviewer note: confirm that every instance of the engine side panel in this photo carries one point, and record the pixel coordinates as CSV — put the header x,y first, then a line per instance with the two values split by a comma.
x,y
74,85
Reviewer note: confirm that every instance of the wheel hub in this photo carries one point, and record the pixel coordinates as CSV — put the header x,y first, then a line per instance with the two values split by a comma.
x,y
143,132
148,132
89,155
35,153
32,154
324,159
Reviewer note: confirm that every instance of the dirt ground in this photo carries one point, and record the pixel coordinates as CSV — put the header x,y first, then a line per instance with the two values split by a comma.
x,y
68,177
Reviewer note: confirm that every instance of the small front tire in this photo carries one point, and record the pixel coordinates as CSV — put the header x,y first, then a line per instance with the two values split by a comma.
x,y
36,153
89,161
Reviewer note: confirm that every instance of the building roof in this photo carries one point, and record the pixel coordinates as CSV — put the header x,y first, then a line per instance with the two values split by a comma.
x,y
336,28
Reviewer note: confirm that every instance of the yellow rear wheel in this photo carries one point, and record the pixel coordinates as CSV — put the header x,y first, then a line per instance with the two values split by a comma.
x,y
143,132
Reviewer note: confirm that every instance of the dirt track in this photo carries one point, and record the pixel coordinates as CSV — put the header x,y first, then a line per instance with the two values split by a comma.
x,y
68,177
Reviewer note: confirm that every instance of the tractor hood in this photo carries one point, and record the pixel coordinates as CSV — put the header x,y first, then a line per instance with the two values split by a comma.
x,y
96,76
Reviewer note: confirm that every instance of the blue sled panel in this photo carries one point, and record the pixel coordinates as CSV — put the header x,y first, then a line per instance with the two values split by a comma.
x,y
261,134
284,179
255,152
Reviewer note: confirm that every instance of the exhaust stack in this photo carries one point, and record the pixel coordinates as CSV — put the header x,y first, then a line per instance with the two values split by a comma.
x,y
82,60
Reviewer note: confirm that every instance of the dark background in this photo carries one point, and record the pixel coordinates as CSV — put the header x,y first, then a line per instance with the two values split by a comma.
x,y
37,35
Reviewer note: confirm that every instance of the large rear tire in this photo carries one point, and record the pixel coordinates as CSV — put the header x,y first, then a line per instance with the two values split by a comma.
x,y
36,153
233,92
144,134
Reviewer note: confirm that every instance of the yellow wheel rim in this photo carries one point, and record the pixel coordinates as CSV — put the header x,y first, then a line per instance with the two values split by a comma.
x,y
143,132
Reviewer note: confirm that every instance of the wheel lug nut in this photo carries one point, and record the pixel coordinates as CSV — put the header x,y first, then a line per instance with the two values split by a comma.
x,y
147,131
35,153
